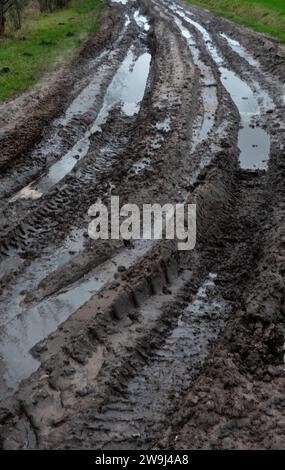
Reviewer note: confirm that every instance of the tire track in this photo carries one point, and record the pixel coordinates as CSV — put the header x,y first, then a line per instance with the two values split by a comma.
x,y
117,336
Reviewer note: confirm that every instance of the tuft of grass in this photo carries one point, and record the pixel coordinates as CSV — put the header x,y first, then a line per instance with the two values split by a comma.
x,y
264,16
43,41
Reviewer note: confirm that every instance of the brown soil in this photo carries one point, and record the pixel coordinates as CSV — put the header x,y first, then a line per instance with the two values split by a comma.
x,y
109,345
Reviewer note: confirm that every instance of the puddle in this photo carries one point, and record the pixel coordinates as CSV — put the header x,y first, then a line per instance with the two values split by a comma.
x,y
210,102
141,21
173,367
125,90
253,141
65,130
27,327
240,50
200,306
123,2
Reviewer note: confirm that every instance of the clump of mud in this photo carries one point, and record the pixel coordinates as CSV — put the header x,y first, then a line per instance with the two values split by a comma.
x,y
137,345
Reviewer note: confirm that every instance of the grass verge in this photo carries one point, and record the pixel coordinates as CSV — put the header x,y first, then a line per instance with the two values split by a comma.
x,y
264,16
43,41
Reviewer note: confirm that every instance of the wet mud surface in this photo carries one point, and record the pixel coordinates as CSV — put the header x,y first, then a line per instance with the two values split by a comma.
x,y
109,345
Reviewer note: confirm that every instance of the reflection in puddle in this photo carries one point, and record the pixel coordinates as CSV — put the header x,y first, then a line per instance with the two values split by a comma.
x,y
126,90
65,130
254,142
201,321
239,49
124,2
23,328
210,103
254,145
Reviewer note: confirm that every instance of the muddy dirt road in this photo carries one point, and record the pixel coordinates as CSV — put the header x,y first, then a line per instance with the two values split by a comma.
x,y
105,345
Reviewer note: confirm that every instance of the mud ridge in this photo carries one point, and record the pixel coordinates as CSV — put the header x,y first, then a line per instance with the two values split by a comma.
x,y
116,345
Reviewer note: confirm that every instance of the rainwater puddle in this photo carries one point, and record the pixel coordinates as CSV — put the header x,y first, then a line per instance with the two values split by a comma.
x,y
126,90
253,141
123,2
24,327
240,50
201,306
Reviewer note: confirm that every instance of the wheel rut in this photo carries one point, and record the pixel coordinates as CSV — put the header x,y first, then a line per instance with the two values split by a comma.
x,y
114,345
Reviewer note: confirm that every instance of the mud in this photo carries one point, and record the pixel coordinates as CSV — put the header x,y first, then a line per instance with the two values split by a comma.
x,y
109,345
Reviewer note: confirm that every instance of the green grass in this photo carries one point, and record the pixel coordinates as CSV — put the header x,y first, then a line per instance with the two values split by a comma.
x,y
44,41
265,16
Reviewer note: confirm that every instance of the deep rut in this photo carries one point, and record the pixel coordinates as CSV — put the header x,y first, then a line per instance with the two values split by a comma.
x,y
104,344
